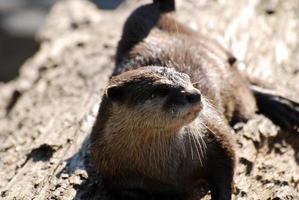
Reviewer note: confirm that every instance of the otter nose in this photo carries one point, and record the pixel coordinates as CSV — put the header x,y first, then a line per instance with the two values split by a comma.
x,y
193,97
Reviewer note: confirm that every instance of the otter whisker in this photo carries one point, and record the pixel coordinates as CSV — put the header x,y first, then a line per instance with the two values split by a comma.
x,y
207,128
191,149
196,148
183,148
210,105
176,27
202,145
210,108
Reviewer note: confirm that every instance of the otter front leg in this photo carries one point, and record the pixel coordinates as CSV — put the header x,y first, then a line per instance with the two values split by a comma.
x,y
139,188
130,194
123,188
220,170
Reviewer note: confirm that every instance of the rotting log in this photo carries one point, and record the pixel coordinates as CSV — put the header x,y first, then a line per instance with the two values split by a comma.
x,y
46,113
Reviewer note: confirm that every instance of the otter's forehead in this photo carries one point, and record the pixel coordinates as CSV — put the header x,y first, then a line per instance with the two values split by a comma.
x,y
152,75
172,75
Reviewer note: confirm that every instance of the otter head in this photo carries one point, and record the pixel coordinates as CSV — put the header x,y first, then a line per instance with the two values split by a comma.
x,y
153,97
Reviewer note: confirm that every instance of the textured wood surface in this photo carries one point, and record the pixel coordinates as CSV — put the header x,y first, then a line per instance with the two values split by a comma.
x,y
47,112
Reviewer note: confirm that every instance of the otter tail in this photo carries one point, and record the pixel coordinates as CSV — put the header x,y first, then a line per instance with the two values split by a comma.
x,y
281,110
165,5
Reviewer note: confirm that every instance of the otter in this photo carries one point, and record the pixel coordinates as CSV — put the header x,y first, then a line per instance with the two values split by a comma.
x,y
163,126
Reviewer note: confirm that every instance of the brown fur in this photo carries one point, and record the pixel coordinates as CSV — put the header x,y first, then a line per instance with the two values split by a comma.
x,y
171,44
141,161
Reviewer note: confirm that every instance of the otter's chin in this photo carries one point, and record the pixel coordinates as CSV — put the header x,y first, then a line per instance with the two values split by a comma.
x,y
191,113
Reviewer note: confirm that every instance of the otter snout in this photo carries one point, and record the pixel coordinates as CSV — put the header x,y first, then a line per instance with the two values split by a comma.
x,y
185,103
193,97
187,97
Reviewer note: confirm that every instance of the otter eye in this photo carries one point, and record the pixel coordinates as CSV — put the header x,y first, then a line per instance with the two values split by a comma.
x,y
115,92
162,92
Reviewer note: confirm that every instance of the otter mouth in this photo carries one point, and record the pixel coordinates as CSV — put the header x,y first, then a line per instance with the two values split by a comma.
x,y
193,112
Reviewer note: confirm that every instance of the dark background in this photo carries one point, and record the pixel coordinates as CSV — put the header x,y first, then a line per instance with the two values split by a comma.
x,y
19,22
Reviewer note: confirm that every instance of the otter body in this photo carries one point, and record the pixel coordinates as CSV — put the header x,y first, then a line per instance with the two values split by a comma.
x,y
162,127
153,37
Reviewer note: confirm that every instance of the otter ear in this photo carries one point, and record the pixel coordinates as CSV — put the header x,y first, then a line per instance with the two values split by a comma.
x,y
115,92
